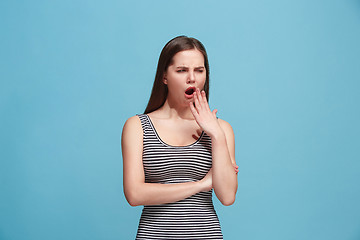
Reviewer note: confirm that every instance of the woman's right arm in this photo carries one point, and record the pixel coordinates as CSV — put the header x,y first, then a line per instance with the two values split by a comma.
x,y
137,192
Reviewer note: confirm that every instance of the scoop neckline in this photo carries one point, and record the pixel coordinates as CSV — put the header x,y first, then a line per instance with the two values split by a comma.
x,y
159,138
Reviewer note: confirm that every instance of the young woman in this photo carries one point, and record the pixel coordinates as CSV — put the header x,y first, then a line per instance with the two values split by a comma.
x,y
178,150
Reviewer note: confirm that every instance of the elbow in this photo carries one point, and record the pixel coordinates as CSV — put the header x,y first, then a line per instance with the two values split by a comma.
x,y
226,198
228,201
132,202
132,199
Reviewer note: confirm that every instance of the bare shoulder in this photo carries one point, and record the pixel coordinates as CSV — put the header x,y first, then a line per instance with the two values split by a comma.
x,y
131,121
132,125
226,127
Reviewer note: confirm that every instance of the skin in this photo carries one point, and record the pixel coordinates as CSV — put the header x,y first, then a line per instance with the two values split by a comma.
x,y
179,122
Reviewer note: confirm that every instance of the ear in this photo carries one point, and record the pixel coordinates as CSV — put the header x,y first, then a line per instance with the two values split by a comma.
x,y
165,79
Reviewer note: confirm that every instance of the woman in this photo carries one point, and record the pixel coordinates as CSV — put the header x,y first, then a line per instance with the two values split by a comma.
x,y
178,150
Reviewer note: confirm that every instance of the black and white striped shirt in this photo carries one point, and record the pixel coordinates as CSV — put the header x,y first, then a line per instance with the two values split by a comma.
x,y
191,218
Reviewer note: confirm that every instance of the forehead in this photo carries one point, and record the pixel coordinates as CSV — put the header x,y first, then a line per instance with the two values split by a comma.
x,y
189,58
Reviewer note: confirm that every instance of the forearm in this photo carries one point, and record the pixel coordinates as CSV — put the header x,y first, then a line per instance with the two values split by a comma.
x,y
157,193
224,176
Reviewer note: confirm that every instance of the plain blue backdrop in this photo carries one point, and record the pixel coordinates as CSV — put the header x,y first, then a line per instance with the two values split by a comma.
x,y
284,73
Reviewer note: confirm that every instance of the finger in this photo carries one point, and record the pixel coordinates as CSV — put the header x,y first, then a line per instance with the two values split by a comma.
x,y
193,110
196,100
214,112
199,94
236,169
204,100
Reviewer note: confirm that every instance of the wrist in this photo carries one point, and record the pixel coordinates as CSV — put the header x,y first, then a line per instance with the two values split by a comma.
x,y
219,135
199,185
202,185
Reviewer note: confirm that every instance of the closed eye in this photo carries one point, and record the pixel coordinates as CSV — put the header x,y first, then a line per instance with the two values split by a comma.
x,y
200,69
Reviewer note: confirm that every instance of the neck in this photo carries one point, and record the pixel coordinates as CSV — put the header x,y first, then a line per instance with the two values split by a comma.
x,y
176,111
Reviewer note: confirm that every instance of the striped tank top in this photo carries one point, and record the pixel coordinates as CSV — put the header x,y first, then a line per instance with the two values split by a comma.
x,y
191,218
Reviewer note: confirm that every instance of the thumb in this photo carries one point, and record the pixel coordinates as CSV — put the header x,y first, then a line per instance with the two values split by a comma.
x,y
214,112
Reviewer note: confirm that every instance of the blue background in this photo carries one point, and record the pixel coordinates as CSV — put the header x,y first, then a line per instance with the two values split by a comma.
x,y
285,74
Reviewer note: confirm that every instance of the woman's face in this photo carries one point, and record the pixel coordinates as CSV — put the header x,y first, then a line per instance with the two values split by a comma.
x,y
187,71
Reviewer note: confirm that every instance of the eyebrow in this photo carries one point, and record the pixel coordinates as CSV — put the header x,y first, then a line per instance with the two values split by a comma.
x,y
188,67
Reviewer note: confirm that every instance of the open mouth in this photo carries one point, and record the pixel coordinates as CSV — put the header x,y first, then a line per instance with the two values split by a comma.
x,y
189,91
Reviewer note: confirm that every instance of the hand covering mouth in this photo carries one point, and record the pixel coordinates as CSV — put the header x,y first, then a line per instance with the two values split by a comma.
x,y
189,91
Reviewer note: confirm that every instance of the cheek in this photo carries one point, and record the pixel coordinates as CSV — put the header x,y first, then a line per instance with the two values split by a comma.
x,y
174,83
203,80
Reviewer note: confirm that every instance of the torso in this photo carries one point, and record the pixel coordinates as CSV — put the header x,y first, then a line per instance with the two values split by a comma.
x,y
193,217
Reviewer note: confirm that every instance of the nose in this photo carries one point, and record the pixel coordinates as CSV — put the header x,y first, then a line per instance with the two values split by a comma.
x,y
191,77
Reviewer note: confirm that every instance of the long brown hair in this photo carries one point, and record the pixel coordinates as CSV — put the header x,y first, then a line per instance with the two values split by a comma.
x,y
159,91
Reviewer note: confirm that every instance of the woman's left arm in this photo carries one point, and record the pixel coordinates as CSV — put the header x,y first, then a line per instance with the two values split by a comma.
x,y
223,152
224,176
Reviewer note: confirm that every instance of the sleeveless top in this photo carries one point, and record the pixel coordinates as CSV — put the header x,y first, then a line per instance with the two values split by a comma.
x,y
191,218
